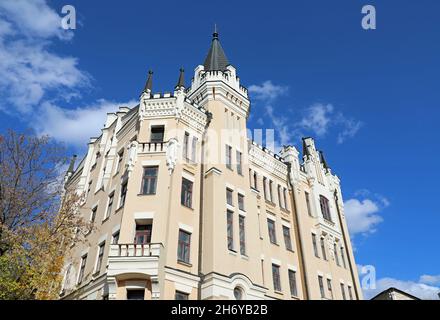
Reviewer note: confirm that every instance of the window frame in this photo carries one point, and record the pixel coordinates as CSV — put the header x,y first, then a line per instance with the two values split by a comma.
x,y
276,278
287,238
273,234
292,283
186,193
242,234
230,229
184,247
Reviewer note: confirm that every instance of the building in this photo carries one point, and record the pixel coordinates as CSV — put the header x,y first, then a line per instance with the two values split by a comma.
x,y
187,207
394,294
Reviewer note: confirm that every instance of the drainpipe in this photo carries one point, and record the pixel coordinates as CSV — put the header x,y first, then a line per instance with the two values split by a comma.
x,y
346,246
202,178
294,203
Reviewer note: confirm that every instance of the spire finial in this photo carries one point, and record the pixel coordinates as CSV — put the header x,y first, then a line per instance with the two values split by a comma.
x,y
181,81
149,83
215,34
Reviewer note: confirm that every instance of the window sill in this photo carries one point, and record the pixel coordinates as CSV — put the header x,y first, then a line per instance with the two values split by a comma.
x,y
119,209
187,264
190,208
270,203
146,194
104,220
285,210
275,243
243,256
278,292
232,252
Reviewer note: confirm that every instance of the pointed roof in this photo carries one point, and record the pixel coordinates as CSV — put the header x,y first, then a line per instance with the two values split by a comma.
x,y
72,164
149,83
322,158
306,151
216,58
181,81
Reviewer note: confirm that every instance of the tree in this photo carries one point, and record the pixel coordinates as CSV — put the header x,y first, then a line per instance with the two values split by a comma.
x,y
38,218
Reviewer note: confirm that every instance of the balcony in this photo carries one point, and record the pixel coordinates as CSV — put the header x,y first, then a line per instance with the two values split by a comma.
x,y
152,147
128,260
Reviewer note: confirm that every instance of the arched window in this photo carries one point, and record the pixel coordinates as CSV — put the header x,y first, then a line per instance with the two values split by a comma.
x,y
238,293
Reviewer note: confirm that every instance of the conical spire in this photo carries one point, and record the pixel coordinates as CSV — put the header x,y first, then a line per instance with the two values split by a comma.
x,y
306,152
216,58
72,164
181,81
324,163
149,83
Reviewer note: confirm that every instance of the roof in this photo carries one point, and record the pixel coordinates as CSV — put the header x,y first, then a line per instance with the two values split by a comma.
x,y
216,58
391,289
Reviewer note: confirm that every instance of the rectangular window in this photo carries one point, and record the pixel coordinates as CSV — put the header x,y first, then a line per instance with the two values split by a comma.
x,y
343,257
343,291
324,255
255,181
241,202
136,294
266,194
115,237
229,199
194,149
181,296
287,239
120,158
183,250
143,233
325,208
270,190
93,214
321,286
109,206
309,211
157,134
286,206
89,187
280,198
350,294
276,277
149,180
329,287
292,283
271,229
241,220
230,229
82,268
229,157
185,145
239,165
335,249
186,193
100,257
123,194
315,246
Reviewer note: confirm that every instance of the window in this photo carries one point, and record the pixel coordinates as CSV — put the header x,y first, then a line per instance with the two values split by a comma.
x,y
194,149
272,233
286,206
329,287
120,158
238,293
186,193
229,197
123,194
93,215
343,257
292,283
255,181
143,233
270,190
350,294
157,134
276,277
239,164
115,237
241,229
343,292
321,286
266,194
109,205
183,250
324,255
185,145
101,248
315,246
325,209
280,198
138,294
309,211
82,268
241,202
229,157
287,239
181,296
89,187
230,230
149,180
335,249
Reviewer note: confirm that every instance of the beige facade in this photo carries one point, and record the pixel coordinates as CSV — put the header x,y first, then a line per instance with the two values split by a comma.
x,y
186,206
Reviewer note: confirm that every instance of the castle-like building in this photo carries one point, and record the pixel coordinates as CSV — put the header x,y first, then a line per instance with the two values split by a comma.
x,y
186,206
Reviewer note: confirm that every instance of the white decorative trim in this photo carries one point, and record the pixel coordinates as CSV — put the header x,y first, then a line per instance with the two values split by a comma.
x,y
286,223
271,216
229,207
146,163
186,227
276,261
320,273
230,186
241,191
188,176
116,229
102,239
143,215
135,284
291,267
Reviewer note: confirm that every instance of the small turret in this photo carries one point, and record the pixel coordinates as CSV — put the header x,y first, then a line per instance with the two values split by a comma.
x,y
149,83
323,161
181,82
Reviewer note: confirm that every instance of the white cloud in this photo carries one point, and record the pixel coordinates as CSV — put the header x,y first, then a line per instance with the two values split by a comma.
x,y
430,279
75,126
29,70
349,128
417,289
267,91
362,216
317,118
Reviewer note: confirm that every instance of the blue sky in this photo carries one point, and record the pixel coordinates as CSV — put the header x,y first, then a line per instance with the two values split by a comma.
x,y
370,98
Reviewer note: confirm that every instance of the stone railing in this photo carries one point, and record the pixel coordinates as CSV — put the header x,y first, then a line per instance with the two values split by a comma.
x,y
152,147
135,250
